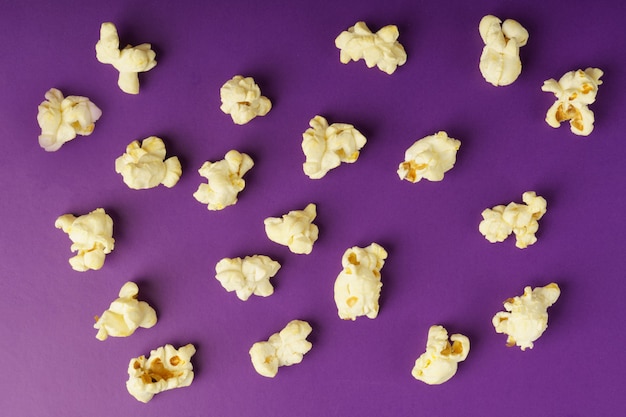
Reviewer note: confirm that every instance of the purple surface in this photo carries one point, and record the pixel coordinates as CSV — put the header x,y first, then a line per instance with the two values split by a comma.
x,y
440,269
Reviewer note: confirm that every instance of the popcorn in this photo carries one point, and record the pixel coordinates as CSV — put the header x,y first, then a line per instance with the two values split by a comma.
x,y
125,315
440,361
326,147
242,99
225,180
285,348
91,235
248,276
144,165
61,119
357,287
429,158
129,61
574,92
522,219
294,230
166,368
500,63
526,316
380,49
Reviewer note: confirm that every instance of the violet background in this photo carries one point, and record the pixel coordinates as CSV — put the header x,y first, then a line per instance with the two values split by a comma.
x,y
440,270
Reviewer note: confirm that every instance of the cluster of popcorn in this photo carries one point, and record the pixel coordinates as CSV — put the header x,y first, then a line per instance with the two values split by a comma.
x,y
166,368
430,158
129,61
440,361
294,230
326,147
125,315
526,316
357,287
500,63
521,219
224,180
62,118
143,165
380,49
247,276
284,348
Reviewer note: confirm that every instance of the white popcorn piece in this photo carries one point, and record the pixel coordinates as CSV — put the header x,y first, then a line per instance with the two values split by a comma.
x,y
125,315
225,180
526,316
143,165
440,361
62,118
129,61
247,276
326,147
358,285
429,158
500,63
285,348
574,92
380,49
522,219
294,230
91,235
242,99
166,368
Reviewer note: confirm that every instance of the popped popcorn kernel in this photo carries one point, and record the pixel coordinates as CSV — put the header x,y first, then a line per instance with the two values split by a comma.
x,y
521,219
574,92
247,276
357,287
143,165
380,49
294,230
225,180
125,315
526,316
326,147
92,238
440,361
241,98
500,63
166,368
284,348
62,118
129,61
430,158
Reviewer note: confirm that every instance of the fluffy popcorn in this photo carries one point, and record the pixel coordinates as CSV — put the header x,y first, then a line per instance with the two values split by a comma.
x,y
380,49
166,368
429,158
326,147
574,92
357,287
62,118
125,315
522,219
144,165
285,348
91,235
440,361
242,99
500,63
247,276
526,316
294,230
129,61
225,180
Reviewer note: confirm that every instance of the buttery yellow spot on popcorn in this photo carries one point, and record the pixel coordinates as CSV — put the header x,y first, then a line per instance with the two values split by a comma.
x,y
352,301
157,372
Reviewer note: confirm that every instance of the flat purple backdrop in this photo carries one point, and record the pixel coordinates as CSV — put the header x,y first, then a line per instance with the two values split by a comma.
x,y
440,270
